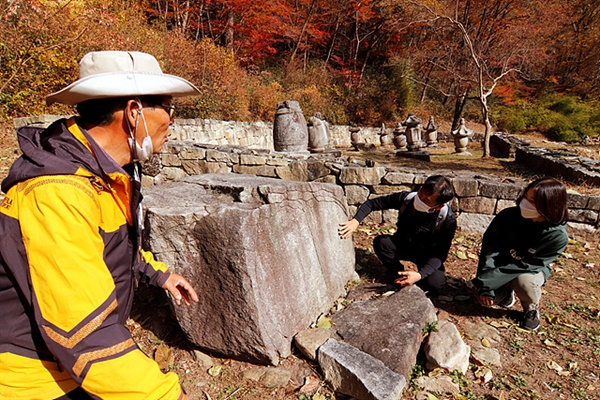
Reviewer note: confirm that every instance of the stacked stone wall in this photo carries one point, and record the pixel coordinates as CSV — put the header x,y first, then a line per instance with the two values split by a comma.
x,y
479,197
204,146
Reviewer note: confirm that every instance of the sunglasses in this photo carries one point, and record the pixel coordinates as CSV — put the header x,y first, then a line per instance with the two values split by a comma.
x,y
169,108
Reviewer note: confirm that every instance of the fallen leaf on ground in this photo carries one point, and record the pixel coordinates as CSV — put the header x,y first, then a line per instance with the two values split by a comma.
x,y
215,370
554,366
163,356
459,396
552,319
550,343
485,342
325,323
569,325
484,374
500,324
461,255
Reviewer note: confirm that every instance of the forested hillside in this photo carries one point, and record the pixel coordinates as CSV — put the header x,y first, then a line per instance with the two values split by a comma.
x,y
521,65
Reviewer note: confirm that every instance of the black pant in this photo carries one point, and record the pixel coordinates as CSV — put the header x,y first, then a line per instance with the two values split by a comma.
x,y
390,255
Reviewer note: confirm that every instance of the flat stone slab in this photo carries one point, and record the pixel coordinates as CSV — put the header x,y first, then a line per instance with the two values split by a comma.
x,y
388,328
357,374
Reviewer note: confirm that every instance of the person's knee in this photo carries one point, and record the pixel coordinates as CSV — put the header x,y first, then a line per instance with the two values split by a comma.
x,y
384,248
529,281
434,282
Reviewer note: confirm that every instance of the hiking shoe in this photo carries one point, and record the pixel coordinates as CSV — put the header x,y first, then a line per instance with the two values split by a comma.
x,y
509,301
531,320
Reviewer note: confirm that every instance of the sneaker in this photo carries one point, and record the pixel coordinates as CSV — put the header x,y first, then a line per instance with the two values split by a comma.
x,y
531,320
509,301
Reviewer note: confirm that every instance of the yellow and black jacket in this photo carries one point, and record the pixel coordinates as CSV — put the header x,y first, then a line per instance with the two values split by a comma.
x,y
69,262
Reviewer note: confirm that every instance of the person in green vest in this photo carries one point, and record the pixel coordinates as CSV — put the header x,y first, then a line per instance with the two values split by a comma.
x,y
519,247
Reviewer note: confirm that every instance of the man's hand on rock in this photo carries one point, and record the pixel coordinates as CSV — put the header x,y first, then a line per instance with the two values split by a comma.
x,y
180,289
406,278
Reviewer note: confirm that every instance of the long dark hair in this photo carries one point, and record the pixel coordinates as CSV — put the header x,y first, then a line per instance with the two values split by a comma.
x,y
550,199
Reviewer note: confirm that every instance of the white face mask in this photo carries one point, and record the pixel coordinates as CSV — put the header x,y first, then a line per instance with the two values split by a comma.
x,y
528,210
420,206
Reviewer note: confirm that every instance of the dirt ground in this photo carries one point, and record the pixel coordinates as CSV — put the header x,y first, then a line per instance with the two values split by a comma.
x,y
559,361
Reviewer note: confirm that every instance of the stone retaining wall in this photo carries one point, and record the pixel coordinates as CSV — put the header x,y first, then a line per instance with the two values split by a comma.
x,y
257,135
254,134
479,197
560,163
246,147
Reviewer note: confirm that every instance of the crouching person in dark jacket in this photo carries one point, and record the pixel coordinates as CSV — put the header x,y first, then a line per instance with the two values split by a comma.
x,y
426,225
518,248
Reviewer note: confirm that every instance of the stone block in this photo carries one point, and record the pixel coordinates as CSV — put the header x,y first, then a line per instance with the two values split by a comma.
x,y
356,194
585,216
478,205
147,181
503,204
582,231
224,233
217,156
398,178
420,179
388,328
295,171
445,349
170,160
251,159
389,189
192,153
499,190
576,200
278,161
327,179
354,373
194,167
476,223
308,341
362,176
172,173
259,170
390,217
465,187
593,203
375,217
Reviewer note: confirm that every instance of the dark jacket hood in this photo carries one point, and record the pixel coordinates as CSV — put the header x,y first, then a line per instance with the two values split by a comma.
x,y
52,151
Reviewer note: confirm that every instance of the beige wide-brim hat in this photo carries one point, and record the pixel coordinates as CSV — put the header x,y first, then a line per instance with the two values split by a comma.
x,y
106,74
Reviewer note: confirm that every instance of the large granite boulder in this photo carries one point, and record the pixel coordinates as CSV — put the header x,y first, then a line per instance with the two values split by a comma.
x,y
388,328
263,254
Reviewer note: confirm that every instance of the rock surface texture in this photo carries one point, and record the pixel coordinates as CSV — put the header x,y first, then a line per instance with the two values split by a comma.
x,y
358,374
388,328
263,255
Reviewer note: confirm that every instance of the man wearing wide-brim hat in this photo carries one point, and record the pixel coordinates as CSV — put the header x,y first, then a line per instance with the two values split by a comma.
x,y
70,225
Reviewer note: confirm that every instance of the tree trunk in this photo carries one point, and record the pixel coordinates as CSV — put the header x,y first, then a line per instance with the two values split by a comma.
x,y
304,27
458,109
485,112
229,32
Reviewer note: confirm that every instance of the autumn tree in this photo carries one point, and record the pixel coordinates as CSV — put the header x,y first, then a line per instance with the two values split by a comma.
x,y
472,45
